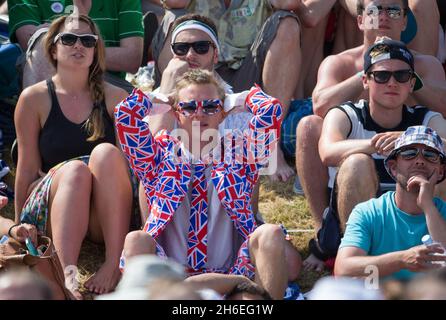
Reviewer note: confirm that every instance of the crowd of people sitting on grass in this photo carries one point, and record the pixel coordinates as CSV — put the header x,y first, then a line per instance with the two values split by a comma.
x,y
168,179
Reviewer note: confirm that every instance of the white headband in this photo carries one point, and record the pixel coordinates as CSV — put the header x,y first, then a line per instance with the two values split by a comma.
x,y
195,25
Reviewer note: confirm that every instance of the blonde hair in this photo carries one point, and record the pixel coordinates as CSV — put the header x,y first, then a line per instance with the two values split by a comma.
x,y
198,77
95,123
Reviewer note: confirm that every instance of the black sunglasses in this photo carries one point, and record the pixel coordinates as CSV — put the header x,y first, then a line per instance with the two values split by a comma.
x,y
200,47
69,39
209,107
383,76
393,11
428,154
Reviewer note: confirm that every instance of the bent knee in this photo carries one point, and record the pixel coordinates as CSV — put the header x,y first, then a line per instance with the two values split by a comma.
x,y
106,157
359,170
309,130
359,161
289,29
75,171
104,151
137,243
267,235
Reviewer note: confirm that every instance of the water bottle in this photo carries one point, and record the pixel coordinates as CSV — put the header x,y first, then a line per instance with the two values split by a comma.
x,y
428,241
145,77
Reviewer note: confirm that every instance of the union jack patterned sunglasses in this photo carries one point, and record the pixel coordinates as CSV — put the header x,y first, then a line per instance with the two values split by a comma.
x,y
209,107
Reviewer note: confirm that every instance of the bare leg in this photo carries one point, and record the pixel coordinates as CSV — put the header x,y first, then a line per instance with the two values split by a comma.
x,y
428,18
312,50
312,172
37,68
313,176
69,212
280,76
354,36
110,214
357,182
267,251
293,260
347,33
339,40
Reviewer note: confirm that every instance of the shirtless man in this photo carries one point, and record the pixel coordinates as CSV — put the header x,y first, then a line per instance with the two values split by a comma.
x,y
340,80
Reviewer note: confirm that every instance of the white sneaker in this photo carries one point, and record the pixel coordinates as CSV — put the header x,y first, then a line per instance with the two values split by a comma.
x,y
297,187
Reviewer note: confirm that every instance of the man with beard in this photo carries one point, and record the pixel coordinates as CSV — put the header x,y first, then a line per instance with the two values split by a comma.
x,y
340,80
386,232
356,137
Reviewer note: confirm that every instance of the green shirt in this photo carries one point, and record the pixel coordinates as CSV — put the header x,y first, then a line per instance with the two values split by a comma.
x,y
116,19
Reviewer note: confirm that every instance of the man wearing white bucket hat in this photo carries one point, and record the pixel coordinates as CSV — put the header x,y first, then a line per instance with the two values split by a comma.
x,y
386,232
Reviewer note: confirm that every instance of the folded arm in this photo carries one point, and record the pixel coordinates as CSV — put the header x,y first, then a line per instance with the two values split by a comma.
x,y
136,140
264,127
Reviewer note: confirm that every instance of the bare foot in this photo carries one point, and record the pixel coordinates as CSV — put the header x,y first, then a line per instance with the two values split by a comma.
x,y
313,263
283,171
104,280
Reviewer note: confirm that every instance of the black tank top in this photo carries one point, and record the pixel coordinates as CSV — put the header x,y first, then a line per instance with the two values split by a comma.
x,y
60,139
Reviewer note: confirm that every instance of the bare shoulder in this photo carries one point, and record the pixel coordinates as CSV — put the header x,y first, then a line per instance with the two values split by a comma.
x,y
423,61
113,95
345,62
35,97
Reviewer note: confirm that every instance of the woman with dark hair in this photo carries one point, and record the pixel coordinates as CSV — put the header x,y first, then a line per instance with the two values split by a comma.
x,y
69,170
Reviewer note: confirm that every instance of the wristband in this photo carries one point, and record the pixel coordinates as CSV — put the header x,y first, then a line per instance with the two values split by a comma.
x,y
10,229
360,74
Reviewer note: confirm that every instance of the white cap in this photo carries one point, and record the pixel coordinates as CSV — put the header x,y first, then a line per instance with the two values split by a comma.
x,y
140,273
343,288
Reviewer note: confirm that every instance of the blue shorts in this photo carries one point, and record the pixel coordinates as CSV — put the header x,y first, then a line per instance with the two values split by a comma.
x,y
298,109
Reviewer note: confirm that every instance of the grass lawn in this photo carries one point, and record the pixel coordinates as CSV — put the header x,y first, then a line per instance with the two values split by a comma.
x,y
278,204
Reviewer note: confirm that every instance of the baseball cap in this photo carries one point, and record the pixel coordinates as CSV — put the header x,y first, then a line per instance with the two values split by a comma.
x,y
417,135
387,49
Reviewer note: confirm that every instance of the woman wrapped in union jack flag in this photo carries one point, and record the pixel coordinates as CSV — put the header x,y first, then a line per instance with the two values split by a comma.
x,y
199,185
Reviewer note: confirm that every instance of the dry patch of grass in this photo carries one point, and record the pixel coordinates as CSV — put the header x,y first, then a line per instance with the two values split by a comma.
x,y
278,204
